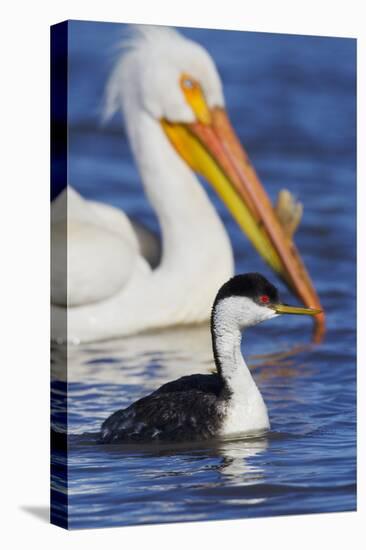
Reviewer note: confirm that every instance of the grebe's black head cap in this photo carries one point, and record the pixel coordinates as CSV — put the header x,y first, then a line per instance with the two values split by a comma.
x,y
250,285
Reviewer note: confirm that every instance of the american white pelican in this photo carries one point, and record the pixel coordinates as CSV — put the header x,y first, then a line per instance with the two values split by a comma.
x,y
170,94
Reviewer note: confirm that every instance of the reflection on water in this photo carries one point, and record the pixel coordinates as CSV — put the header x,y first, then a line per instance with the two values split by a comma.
x,y
170,353
236,468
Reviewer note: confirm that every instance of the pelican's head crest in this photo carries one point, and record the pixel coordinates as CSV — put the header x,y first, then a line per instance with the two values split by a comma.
x,y
156,70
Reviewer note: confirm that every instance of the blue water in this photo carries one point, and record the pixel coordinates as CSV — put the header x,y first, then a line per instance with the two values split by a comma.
x,y
292,102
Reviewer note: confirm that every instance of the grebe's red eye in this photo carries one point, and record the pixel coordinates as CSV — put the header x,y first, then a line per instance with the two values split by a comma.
x,y
264,299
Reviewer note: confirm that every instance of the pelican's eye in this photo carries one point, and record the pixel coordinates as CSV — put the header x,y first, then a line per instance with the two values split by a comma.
x,y
195,98
188,83
264,299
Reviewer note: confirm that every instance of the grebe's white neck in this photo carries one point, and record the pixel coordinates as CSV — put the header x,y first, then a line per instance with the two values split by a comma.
x,y
246,408
230,316
226,340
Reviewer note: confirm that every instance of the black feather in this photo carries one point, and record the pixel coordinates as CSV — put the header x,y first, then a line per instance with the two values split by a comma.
x,y
251,285
187,409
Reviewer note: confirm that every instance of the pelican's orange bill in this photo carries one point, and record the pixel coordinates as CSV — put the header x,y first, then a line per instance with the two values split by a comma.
x,y
213,150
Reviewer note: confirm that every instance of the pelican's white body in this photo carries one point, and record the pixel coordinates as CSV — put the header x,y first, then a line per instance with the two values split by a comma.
x,y
245,410
111,289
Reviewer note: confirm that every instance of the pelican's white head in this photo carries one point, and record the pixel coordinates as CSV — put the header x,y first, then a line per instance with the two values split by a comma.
x,y
156,66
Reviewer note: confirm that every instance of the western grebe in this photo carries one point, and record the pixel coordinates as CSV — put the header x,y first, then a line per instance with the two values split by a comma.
x,y
205,406
170,93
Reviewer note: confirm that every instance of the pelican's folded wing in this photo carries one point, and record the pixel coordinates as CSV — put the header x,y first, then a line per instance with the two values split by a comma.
x,y
94,250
